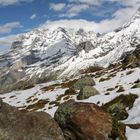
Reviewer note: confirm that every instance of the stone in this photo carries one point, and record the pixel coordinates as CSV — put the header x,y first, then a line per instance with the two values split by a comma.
x,y
137,85
84,81
121,89
87,92
118,106
83,121
16,125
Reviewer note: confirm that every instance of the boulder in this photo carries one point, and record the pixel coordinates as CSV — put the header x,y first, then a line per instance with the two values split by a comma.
x,y
16,125
118,107
84,121
87,92
82,82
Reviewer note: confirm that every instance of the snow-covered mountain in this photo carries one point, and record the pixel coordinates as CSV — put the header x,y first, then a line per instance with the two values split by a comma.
x,y
48,53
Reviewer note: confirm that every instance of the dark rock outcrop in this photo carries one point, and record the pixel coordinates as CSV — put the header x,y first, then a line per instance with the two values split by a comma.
x,y
16,125
86,121
132,59
87,46
118,107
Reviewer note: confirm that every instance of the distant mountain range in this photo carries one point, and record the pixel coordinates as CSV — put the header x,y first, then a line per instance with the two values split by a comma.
x,y
47,54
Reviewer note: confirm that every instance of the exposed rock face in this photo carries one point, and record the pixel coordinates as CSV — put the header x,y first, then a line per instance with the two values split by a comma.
x,y
137,85
16,125
8,81
46,51
85,81
87,92
24,61
87,46
16,45
118,107
132,58
83,121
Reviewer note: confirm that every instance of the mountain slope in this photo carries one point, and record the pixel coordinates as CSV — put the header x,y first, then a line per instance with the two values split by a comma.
x,y
46,54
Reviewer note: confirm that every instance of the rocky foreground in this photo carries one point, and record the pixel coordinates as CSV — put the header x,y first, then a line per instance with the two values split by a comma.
x,y
66,84
82,121
16,125
102,105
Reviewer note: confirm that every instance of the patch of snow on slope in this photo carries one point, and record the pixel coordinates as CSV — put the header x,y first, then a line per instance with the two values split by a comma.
x,y
132,134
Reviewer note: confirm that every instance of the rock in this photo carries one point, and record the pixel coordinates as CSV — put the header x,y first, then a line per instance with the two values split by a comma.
x,y
137,85
87,46
24,61
118,130
121,89
16,45
118,106
132,59
84,81
18,65
87,92
16,125
85,121
8,80
0,103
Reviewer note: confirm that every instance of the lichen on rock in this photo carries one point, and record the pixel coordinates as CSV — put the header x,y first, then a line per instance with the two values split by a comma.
x,y
87,92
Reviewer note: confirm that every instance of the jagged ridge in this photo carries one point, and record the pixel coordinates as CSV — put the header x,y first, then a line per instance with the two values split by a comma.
x,y
48,54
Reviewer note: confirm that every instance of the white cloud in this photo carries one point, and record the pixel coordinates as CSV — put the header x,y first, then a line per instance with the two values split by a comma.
x,y
8,27
74,10
120,17
99,2
72,23
89,2
127,2
12,2
57,7
6,42
73,7
33,16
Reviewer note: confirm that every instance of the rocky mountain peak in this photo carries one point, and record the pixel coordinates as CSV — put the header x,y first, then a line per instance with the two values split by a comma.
x,y
50,53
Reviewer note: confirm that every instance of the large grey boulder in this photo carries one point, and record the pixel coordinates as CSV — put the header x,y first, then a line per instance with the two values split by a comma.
x,y
82,82
16,125
87,92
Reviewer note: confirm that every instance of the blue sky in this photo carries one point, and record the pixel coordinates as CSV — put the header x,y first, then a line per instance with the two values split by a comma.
x,y
19,16
47,10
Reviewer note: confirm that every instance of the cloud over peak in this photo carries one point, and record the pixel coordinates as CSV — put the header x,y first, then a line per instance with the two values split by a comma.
x,y
120,17
57,7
